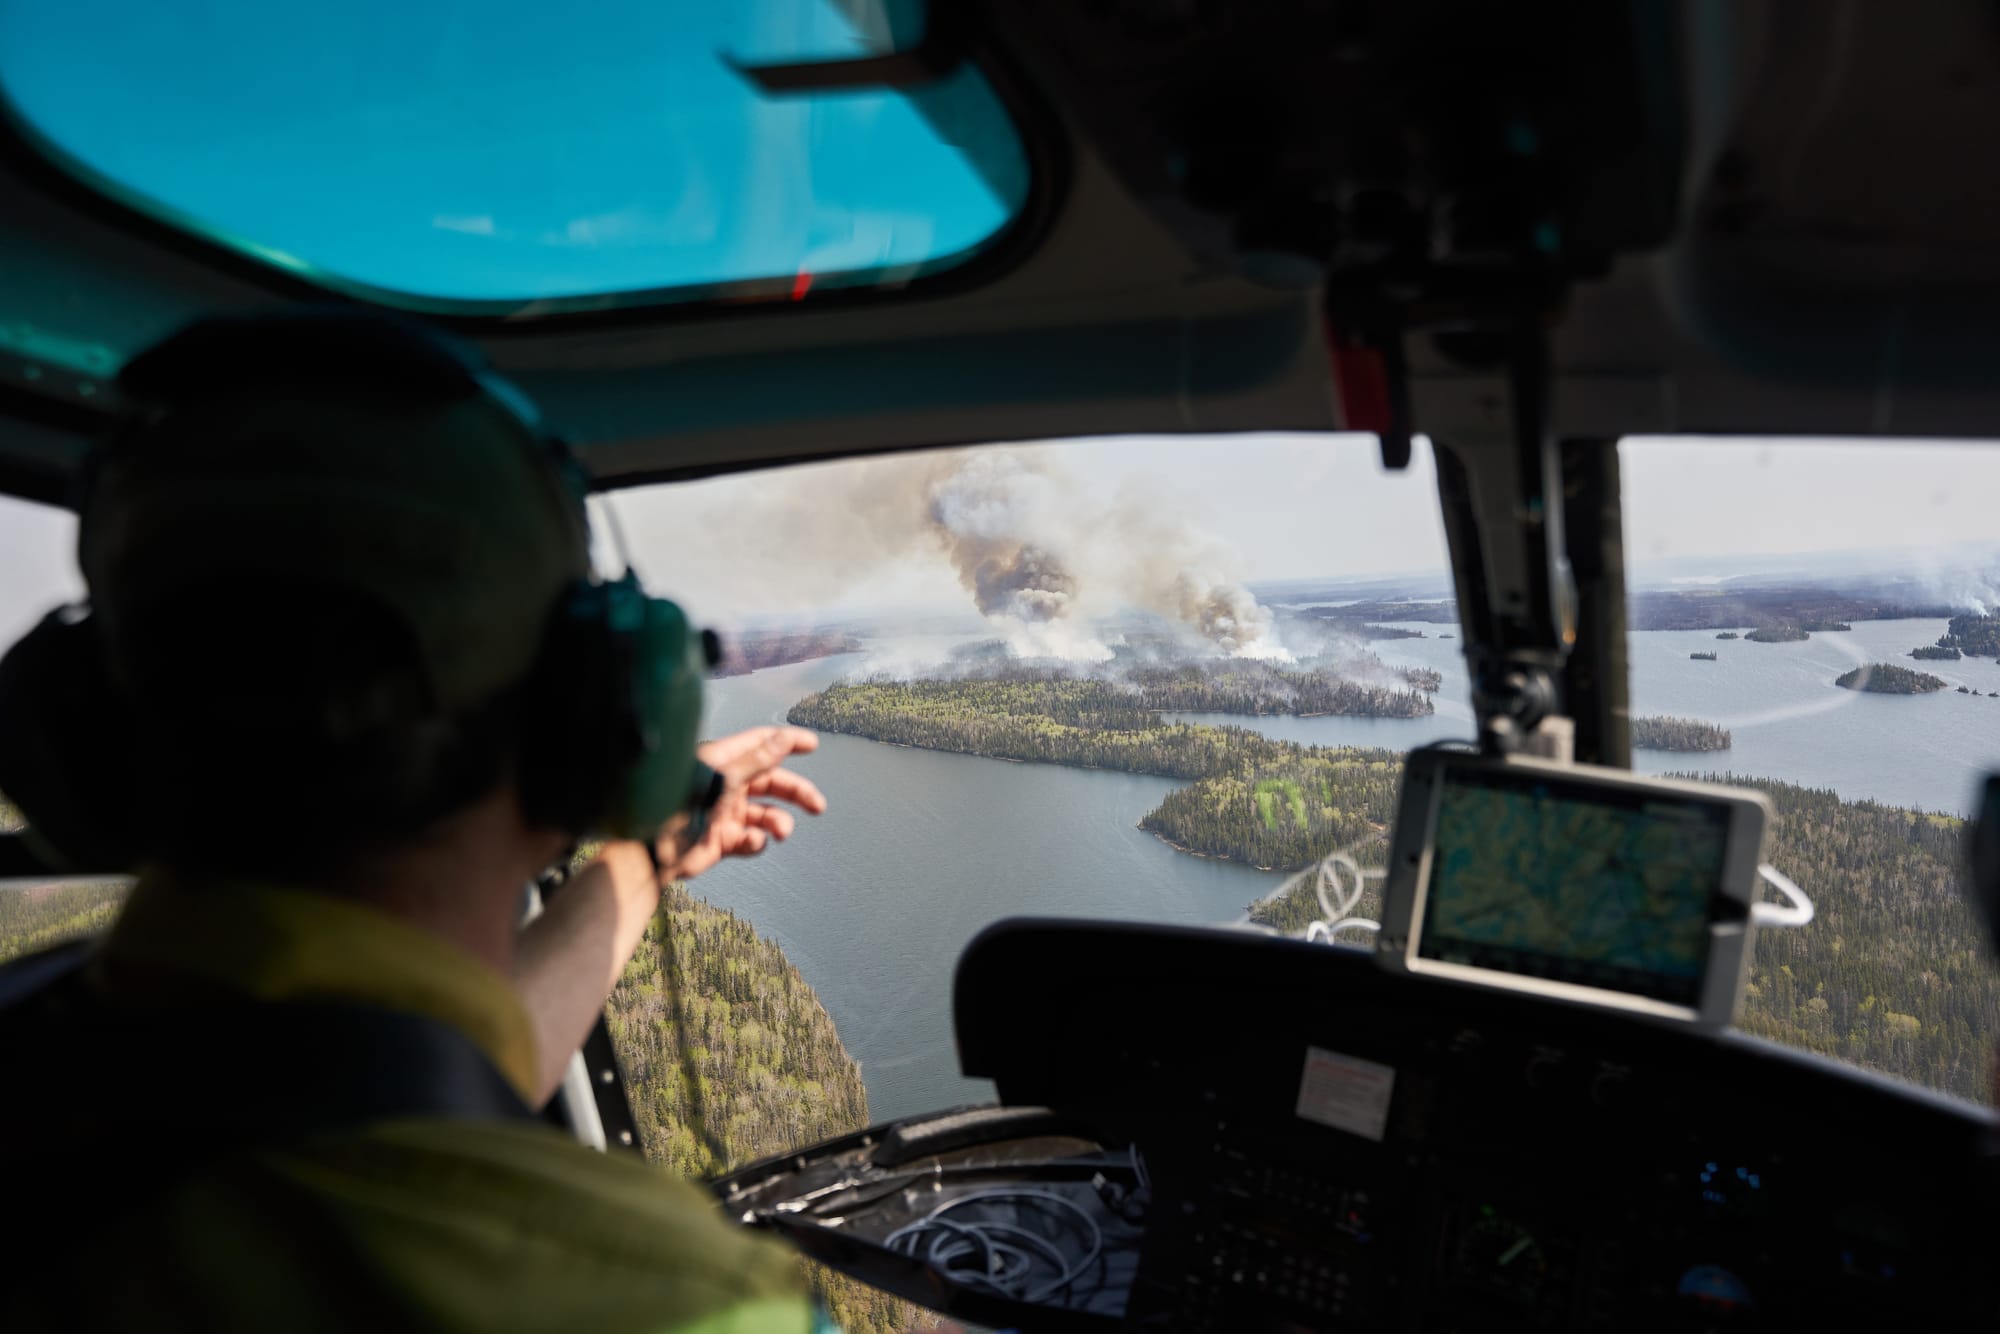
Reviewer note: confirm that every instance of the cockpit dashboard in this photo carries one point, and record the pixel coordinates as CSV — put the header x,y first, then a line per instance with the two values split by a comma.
x,y
1273,1135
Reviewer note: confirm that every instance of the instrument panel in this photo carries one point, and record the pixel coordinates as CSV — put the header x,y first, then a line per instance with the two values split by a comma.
x,y
1304,1141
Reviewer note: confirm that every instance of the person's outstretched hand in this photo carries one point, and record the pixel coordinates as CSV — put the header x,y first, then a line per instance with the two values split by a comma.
x,y
744,820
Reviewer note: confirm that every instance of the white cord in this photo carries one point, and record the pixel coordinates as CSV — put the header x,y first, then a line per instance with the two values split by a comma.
x,y
952,1240
1797,913
1337,897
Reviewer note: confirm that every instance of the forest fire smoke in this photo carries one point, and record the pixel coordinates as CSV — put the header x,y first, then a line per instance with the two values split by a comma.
x,y
1043,558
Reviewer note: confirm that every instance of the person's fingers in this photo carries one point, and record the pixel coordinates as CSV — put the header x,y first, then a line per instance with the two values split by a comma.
x,y
722,750
751,843
784,785
756,748
775,820
778,746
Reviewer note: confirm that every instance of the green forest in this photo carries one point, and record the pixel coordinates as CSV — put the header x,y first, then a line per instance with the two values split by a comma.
x,y
1086,723
1976,636
1890,974
1259,688
1287,811
769,1071
1657,732
34,917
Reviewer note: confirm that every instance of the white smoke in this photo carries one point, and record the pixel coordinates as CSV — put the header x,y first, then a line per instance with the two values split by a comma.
x,y
1965,578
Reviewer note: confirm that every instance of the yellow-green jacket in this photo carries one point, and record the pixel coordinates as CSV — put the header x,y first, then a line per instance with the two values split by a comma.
x,y
414,1224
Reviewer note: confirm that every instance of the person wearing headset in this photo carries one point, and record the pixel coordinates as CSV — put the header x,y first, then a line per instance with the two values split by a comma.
x,y
346,683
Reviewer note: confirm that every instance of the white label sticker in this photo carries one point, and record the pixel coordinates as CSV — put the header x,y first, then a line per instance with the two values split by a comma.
x,y
1346,1093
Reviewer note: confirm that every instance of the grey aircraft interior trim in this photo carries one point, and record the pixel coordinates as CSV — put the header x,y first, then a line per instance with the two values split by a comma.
x,y
1790,302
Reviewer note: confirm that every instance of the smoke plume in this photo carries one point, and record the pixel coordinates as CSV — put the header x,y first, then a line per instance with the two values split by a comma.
x,y
1040,556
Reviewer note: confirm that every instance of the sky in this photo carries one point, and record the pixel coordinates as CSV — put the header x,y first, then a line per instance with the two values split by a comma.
x,y
801,541
1306,506
1277,506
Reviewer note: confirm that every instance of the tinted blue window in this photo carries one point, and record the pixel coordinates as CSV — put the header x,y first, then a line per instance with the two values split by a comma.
x,y
452,155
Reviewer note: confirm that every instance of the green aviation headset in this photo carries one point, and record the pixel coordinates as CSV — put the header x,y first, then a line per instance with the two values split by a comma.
x,y
609,709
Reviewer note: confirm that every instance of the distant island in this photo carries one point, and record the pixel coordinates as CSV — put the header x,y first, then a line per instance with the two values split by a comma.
x,y
1809,607
1729,634
1778,634
1974,636
1363,620
1683,734
1702,657
755,650
1936,653
1883,678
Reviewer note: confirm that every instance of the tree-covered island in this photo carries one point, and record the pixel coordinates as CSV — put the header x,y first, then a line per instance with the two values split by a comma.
x,y
1259,688
1885,678
1681,734
1272,804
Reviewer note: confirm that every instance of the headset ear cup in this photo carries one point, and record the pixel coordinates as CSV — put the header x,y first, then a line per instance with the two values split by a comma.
x,y
668,663
66,747
577,733
611,715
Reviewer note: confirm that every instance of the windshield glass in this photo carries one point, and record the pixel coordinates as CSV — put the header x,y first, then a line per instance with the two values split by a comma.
x,y
1821,621
1086,679
1147,678
485,159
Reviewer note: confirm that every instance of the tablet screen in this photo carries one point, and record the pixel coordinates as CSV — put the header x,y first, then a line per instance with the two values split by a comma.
x,y
1575,882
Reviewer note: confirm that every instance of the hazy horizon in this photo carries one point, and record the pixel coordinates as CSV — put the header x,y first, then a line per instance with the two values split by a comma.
x,y
1135,514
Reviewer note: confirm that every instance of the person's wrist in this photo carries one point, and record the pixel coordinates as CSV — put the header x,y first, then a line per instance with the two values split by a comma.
x,y
632,879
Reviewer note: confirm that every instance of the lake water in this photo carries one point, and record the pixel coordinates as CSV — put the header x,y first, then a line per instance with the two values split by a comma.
x,y
1786,716
874,900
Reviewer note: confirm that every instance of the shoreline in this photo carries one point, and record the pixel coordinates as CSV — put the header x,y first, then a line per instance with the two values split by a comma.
x,y
1210,856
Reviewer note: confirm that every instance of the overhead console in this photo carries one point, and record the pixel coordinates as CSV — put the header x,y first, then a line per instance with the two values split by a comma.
x,y
1266,1134
1439,150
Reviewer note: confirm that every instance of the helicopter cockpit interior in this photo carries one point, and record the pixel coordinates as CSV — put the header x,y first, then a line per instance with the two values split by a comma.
x,y
1518,232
